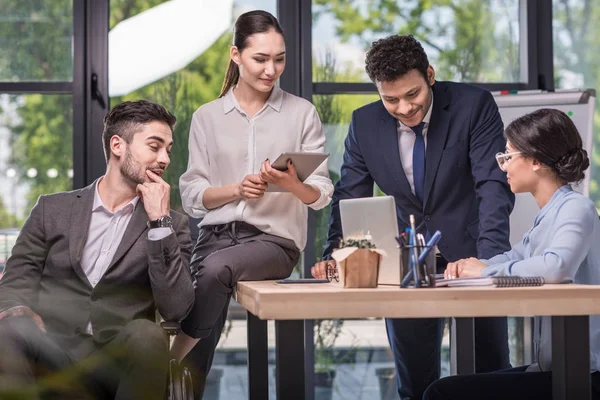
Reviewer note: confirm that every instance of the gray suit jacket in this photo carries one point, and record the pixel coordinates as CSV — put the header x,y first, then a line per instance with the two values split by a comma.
x,y
44,273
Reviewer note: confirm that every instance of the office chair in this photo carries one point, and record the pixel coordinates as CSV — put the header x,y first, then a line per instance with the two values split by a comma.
x,y
180,380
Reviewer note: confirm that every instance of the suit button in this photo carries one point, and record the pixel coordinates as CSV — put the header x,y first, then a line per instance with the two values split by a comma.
x,y
428,218
77,331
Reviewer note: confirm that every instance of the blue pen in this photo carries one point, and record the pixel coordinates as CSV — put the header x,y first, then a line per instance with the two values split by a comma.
x,y
407,278
413,254
432,242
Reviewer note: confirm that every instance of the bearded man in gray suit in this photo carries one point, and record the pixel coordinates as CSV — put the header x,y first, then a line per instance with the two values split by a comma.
x,y
89,269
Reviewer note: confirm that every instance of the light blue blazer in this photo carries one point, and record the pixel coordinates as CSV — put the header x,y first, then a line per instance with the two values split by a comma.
x,y
563,246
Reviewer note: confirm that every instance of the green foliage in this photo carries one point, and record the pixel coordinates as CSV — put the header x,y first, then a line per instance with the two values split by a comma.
x,y
36,40
461,33
326,333
576,40
120,10
7,220
361,243
42,138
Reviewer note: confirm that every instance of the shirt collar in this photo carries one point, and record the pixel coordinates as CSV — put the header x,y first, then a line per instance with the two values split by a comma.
x,y
554,200
99,205
274,101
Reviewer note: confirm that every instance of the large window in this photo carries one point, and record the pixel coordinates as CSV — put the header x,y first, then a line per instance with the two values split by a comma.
x,y
577,61
466,40
36,130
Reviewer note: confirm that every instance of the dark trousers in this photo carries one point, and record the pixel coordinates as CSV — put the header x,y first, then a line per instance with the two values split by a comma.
x,y
224,255
514,384
416,345
34,366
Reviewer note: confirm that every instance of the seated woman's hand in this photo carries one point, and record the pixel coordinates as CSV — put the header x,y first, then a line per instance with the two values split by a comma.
x,y
319,270
465,268
252,187
285,179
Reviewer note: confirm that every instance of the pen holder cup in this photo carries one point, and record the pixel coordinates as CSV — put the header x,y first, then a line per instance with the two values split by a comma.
x,y
426,272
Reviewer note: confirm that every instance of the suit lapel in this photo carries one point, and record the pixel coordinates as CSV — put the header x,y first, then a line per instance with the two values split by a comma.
x,y
137,225
436,136
388,132
81,216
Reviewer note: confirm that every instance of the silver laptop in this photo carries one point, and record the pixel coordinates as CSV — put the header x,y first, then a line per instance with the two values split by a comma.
x,y
376,216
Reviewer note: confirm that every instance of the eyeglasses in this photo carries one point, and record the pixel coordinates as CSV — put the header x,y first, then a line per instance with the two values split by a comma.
x,y
503,158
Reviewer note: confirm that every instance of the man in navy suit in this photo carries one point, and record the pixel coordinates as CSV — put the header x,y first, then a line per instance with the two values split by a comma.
x,y
431,145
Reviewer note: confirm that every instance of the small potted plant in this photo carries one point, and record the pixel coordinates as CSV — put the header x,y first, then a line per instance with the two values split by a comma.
x,y
358,262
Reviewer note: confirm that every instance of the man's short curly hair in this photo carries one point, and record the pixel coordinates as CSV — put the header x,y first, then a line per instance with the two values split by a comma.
x,y
391,58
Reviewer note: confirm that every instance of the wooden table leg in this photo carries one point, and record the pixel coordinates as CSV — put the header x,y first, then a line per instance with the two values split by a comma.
x,y
289,339
258,359
571,358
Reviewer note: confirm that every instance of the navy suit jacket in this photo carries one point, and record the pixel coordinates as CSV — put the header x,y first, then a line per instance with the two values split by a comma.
x,y
466,195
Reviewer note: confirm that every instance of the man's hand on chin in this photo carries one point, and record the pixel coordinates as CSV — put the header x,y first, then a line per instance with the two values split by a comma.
x,y
155,195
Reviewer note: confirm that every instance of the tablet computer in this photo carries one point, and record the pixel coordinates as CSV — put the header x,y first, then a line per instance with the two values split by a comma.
x,y
301,280
305,164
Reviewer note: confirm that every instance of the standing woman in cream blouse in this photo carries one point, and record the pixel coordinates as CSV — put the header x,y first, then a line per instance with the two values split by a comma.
x,y
246,233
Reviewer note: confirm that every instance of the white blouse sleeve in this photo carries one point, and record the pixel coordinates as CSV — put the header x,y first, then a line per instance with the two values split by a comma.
x,y
313,141
195,180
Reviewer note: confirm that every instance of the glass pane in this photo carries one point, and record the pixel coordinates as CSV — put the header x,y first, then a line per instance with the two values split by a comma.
x,y
36,149
182,89
335,113
36,40
577,61
465,40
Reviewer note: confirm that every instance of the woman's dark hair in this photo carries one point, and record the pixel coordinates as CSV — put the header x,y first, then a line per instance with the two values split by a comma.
x,y
550,136
128,117
246,25
392,57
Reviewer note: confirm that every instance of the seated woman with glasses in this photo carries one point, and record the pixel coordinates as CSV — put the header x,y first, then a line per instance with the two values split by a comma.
x,y
543,154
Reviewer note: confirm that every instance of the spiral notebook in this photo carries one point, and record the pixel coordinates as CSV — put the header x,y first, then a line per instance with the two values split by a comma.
x,y
495,281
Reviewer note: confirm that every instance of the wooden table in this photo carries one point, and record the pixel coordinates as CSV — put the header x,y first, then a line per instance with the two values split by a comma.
x,y
290,304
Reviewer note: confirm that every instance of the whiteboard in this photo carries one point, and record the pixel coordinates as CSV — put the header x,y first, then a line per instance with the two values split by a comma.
x,y
579,105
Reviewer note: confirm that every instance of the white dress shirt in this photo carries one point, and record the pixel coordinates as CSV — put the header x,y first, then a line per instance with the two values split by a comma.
x,y
225,145
406,142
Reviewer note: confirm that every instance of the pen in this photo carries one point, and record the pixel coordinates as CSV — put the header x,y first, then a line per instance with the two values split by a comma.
x,y
413,255
406,279
431,244
420,247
